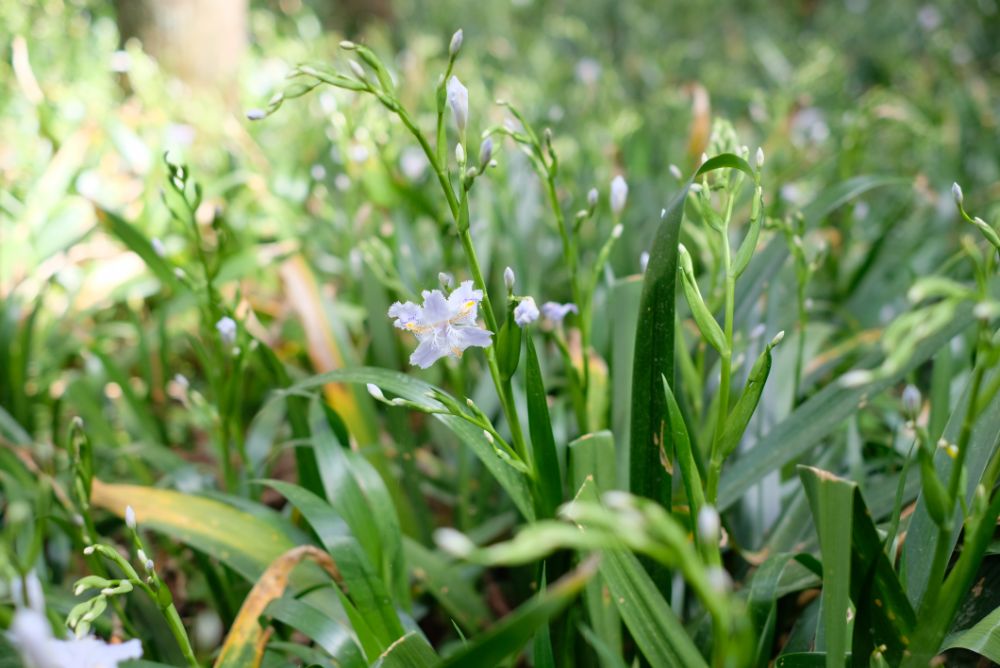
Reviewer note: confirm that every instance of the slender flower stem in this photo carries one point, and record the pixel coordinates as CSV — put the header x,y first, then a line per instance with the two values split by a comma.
x,y
725,362
460,213
942,548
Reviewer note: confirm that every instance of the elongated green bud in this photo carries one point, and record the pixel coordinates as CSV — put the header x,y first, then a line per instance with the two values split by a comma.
x,y
702,316
737,421
935,494
749,245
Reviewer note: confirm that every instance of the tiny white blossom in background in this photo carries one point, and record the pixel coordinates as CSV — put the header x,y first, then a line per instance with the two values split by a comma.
x,y
458,100
643,261
708,525
619,193
255,114
130,517
592,196
158,247
557,312
443,326
227,330
526,312
31,635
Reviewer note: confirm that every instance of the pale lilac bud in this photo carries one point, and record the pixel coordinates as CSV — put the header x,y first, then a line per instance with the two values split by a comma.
x,y
760,157
255,114
708,525
456,43
130,517
485,153
619,193
911,401
592,196
956,192
227,330
508,278
458,100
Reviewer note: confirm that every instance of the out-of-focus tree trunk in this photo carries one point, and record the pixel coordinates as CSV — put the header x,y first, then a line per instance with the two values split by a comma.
x,y
200,41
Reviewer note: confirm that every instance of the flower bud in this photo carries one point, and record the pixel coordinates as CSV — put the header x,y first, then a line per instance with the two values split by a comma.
x,y
456,43
227,330
619,193
458,100
255,114
956,192
446,280
760,157
911,401
130,517
592,196
485,153
158,247
359,71
708,525
675,172
454,542
375,391
460,153
508,278
643,261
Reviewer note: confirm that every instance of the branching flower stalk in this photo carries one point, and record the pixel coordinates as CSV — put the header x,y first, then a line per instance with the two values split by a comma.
x,y
458,205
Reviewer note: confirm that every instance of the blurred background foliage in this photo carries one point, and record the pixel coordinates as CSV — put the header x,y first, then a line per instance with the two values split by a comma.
x,y
318,218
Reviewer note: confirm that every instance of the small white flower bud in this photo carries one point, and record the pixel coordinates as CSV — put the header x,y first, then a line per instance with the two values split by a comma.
x,y
130,517
856,378
359,71
704,158
643,261
592,196
456,43
777,338
956,192
911,401
460,153
485,153
708,525
718,579
255,114
140,555
348,45
158,247
675,172
446,280
149,565
695,188
89,550
375,391
619,193
760,157
458,100
617,230
508,278
227,330
489,437
454,542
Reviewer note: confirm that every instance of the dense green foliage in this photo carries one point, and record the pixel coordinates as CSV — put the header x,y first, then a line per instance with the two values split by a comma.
x,y
766,431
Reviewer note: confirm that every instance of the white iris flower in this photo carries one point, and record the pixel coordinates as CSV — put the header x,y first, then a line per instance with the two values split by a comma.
x,y
443,325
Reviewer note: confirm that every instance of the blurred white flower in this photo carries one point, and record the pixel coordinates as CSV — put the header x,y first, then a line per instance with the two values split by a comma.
x,y
413,162
525,312
130,517
227,330
619,193
31,635
557,312
443,326
643,261
588,71
708,525
458,100
158,247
